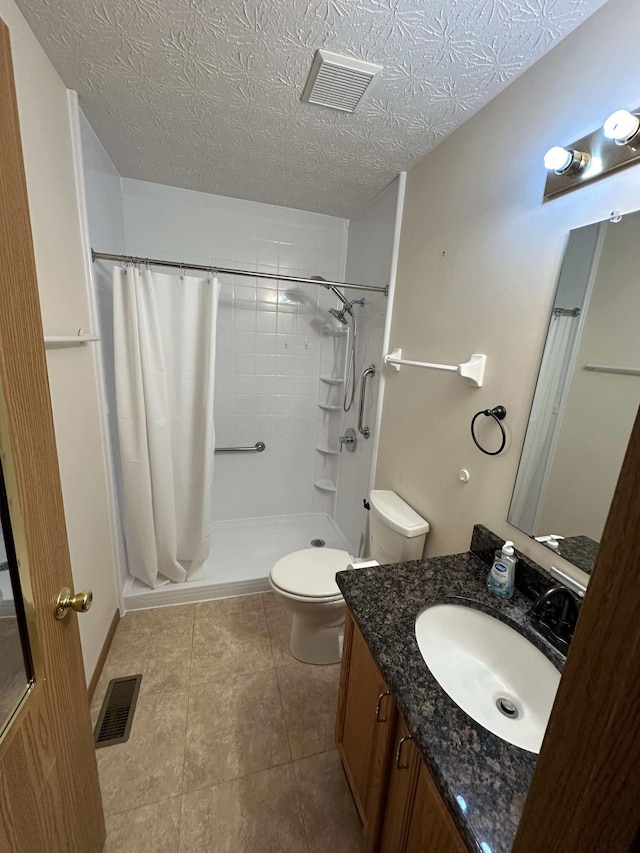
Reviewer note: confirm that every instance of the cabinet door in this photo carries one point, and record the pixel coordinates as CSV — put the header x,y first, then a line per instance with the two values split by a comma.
x,y
431,829
403,775
365,724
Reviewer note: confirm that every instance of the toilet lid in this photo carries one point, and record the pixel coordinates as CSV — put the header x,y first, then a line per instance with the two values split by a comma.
x,y
311,572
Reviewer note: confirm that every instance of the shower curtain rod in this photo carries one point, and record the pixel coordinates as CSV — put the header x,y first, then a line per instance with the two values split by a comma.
x,y
105,256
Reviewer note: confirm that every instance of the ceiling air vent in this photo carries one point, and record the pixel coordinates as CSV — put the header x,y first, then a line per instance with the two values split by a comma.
x,y
338,81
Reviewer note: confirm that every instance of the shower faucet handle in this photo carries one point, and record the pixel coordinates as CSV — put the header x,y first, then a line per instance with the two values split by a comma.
x,y
348,440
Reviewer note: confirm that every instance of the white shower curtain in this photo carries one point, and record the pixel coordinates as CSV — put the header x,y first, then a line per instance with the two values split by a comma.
x,y
164,341
543,422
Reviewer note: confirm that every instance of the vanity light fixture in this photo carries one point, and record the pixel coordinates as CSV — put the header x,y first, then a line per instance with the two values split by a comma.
x,y
609,148
623,127
565,161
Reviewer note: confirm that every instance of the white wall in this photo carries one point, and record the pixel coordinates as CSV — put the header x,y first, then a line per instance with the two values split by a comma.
x,y
369,259
479,261
269,349
105,222
57,239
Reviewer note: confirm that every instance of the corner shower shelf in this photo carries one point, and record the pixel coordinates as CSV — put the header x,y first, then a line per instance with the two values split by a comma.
x,y
327,407
329,451
325,485
331,380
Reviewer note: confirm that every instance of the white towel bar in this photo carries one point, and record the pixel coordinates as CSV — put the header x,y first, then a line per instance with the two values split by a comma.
x,y
81,337
473,369
611,368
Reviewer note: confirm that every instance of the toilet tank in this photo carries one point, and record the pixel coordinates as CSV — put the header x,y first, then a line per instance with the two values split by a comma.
x,y
396,531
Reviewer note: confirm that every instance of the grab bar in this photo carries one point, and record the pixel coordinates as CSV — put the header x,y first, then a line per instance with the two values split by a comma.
x,y
366,373
258,447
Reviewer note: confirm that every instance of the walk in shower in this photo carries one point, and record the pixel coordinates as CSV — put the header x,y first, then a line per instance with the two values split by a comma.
x,y
282,358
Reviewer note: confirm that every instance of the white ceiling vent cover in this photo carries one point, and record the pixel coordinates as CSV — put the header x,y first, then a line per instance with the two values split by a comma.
x,y
338,81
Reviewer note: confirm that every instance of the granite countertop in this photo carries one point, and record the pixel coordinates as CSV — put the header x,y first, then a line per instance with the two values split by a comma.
x,y
579,550
483,779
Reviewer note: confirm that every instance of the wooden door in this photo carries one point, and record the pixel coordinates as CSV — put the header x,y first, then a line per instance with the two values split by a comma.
x,y
49,792
584,792
403,774
364,729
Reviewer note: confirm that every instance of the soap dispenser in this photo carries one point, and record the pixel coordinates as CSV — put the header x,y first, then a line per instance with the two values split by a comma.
x,y
501,578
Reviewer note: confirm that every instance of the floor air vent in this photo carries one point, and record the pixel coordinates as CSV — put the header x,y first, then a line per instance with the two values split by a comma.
x,y
116,714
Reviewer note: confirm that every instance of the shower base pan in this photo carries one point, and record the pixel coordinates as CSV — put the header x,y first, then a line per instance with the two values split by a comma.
x,y
242,554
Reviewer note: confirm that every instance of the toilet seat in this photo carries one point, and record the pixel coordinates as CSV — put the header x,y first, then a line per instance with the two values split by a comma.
x,y
310,574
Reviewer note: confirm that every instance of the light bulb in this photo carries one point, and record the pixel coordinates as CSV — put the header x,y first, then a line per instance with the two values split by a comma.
x,y
558,159
621,126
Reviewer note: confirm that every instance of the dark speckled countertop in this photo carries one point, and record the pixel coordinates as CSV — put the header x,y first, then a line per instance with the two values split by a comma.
x,y
483,779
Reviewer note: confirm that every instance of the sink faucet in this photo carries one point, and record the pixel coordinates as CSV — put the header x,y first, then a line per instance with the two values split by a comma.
x,y
556,623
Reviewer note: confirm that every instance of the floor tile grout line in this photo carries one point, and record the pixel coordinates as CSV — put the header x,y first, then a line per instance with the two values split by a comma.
x,y
143,806
238,778
300,806
186,793
284,715
186,730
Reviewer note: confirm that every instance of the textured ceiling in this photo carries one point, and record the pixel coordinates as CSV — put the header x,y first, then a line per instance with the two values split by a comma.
x,y
204,94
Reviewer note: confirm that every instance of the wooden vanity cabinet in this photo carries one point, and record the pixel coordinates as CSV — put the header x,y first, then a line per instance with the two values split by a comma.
x,y
364,728
398,802
431,828
401,785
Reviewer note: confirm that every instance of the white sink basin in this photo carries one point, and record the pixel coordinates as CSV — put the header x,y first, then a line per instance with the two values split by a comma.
x,y
493,673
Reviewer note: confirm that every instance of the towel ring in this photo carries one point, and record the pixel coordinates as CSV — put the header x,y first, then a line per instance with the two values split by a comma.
x,y
498,413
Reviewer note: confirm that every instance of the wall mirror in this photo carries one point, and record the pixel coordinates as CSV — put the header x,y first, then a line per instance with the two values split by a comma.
x,y
587,394
16,672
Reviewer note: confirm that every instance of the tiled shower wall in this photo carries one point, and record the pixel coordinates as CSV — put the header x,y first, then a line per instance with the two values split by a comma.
x,y
271,336
369,259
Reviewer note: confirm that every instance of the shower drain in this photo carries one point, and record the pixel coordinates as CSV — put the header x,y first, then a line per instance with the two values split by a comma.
x,y
507,707
318,543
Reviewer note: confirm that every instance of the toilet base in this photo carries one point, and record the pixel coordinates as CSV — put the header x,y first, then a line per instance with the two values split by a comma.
x,y
316,644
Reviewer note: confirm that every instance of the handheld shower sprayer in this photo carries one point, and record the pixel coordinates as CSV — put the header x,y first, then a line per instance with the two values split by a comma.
x,y
340,316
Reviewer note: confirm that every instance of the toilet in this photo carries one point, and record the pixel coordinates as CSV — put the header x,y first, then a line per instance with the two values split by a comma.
x,y
306,580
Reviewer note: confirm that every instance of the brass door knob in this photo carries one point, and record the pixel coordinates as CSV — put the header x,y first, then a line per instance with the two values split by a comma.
x,y
80,602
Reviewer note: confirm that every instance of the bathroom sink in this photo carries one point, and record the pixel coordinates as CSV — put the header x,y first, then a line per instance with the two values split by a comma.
x,y
491,671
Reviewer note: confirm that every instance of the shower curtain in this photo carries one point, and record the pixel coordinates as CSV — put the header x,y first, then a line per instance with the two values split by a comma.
x,y
164,343
543,423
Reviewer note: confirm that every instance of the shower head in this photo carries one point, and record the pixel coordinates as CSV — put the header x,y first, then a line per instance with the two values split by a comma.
x,y
334,290
339,315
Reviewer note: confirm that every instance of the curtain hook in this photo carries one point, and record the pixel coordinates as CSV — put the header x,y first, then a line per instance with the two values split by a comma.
x,y
146,263
181,272
209,276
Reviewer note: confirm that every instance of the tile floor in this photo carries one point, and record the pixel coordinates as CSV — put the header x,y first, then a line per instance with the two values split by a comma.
x,y
231,749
